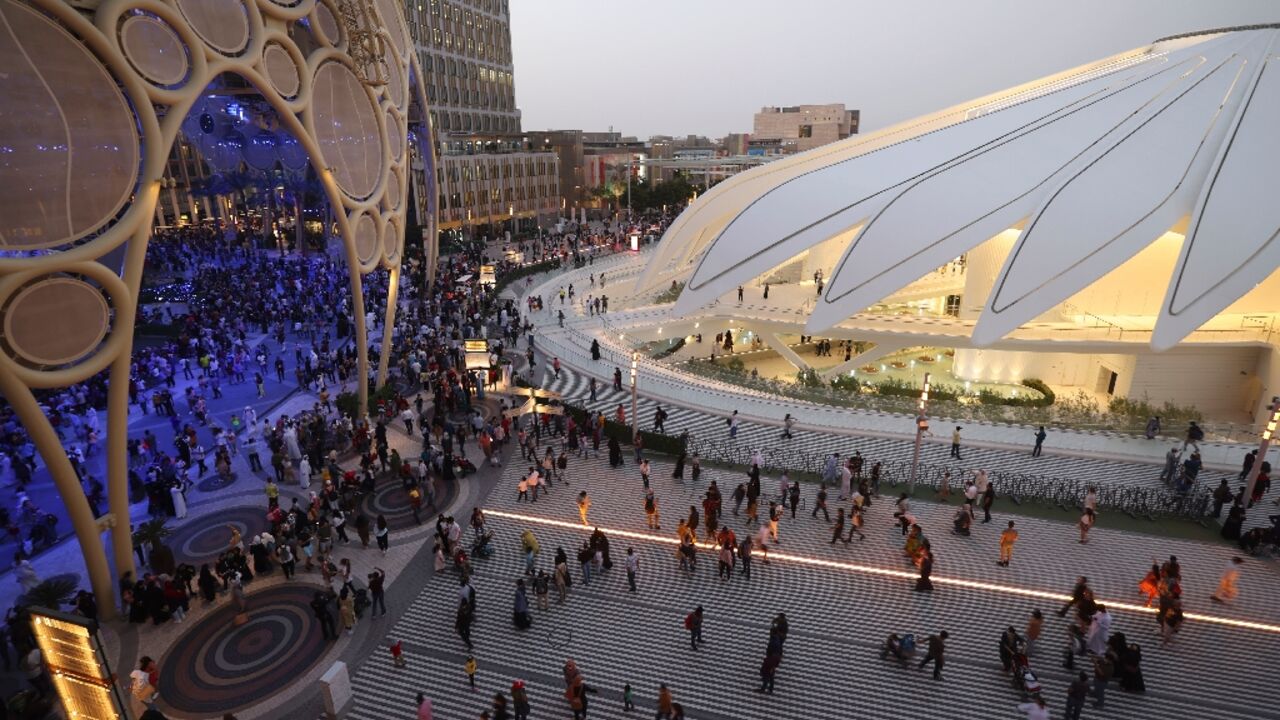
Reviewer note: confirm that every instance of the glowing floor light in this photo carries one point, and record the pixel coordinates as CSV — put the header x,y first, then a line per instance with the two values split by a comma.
x,y
900,574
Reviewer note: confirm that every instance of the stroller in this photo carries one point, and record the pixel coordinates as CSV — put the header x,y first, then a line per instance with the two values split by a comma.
x,y
902,647
1024,679
482,546
360,593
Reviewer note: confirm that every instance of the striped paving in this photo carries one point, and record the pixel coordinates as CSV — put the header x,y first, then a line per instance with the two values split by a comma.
x,y
574,385
838,617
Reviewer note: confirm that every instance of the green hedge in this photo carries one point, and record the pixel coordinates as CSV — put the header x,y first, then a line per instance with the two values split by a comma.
x,y
522,272
348,403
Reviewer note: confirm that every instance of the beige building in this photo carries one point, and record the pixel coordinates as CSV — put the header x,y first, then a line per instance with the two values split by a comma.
x,y
803,127
489,173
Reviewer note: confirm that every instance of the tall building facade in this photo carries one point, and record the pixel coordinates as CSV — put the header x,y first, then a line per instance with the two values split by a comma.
x,y
490,177
802,127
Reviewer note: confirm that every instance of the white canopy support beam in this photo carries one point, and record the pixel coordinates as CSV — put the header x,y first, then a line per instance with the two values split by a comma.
x,y
880,350
776,344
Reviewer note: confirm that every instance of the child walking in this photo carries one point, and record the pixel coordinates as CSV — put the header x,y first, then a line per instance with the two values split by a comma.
x,y
470,668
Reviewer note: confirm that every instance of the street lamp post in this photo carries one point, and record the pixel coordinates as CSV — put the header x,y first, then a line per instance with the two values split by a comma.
x,y
922,426
1262,451
635,392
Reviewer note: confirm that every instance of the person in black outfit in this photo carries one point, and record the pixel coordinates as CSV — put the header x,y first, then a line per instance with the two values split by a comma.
x,y
936,654
793,496
320,604
1221,496
463,620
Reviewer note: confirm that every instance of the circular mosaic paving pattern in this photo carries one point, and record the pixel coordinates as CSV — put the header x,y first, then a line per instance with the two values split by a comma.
x,y
204,539
216,482
391,500
217,666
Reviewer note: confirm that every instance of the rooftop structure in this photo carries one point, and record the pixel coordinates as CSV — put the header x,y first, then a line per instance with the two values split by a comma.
x,y
1120,207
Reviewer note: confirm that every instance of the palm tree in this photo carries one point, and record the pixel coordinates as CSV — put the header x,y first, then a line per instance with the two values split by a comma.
x,y
52,594
152,533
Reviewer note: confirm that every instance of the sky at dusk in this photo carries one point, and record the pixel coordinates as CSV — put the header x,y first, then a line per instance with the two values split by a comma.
x,y
678,67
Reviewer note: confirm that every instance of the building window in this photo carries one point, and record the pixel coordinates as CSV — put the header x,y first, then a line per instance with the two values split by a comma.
x,y
806,131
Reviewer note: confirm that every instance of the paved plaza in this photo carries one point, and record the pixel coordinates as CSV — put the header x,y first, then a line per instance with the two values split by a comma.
x,y
839,614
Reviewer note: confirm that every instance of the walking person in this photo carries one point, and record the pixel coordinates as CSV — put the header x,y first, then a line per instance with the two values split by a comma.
x,y
820,504
936,654
1076,694
382,533
955,443
1103,669
988,499
633,566
693,623
664,694
377,592
1227,584
469,667
744,555
584,504
839,527
855,525
651,510
520,700
768,670
1007,538
1038,450
1087,519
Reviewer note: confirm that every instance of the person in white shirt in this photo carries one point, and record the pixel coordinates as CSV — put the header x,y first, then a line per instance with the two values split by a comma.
x,y
1099,632
846,479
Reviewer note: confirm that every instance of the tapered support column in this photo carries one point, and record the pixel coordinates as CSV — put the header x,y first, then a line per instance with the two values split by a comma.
x,y
389,323
65,480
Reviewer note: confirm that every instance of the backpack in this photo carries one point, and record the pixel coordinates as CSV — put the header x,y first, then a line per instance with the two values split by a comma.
x,y
688,621
648,504
908,643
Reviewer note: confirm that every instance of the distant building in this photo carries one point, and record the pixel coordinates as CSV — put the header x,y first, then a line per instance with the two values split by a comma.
x,y
801,127
489,173
735,144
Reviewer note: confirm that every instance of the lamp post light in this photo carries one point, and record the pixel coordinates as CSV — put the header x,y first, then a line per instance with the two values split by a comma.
x,y
922,426
635,392
1262,451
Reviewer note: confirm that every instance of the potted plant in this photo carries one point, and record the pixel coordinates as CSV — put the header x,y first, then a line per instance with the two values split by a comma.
x,y
152,533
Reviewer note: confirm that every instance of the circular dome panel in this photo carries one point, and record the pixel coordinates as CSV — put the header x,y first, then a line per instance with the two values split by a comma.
x,y
71,155
282,71
395,136
154,50
393,191
390,240
223,24
327,24
56,321
365,236
346,124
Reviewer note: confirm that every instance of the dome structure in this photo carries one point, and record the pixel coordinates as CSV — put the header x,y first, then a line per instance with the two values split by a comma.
x,y
1138,189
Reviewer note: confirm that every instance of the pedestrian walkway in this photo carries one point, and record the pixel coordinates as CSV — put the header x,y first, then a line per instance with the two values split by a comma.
x,y
574,386
661,380
838,616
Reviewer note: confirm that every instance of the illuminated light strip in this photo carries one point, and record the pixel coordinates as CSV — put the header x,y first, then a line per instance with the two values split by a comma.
x,y
899,574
